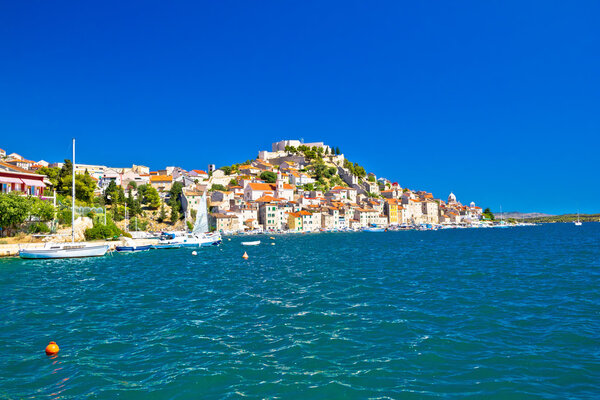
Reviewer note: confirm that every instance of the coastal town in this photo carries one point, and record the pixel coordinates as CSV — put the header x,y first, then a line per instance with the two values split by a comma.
x,y
293,187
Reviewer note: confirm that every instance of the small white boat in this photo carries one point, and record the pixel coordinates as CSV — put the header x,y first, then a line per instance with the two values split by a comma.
x,y
578,222
65,250
254,243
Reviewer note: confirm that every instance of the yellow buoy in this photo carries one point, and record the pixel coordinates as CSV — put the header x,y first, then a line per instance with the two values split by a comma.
x,y
272,238
52,349
245,256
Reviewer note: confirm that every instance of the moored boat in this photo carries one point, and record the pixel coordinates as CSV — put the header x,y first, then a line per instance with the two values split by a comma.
x,y
254,243
133,249
67,250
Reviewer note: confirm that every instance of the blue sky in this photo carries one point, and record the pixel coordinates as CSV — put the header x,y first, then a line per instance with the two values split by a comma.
x,y
496,101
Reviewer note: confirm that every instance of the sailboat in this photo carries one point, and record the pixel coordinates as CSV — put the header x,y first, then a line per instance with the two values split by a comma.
x,y
198,237
67,250
578,222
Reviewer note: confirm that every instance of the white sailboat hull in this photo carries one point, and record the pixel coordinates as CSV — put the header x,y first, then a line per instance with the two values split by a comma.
x,y
65,251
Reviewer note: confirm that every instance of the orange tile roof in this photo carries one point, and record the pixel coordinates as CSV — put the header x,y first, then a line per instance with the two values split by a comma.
x,y
268,199
161,178
268,186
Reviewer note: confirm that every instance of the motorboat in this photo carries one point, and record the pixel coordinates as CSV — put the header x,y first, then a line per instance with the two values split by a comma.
x,y
131,247
254,243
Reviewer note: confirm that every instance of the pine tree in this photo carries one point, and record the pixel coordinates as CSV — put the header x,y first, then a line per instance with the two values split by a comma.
x,y
162,215
174,213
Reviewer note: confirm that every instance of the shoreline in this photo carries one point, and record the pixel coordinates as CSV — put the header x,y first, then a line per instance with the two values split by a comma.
x,y
12,250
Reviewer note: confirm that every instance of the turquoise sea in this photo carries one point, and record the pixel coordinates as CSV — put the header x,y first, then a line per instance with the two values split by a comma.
x,y
471,313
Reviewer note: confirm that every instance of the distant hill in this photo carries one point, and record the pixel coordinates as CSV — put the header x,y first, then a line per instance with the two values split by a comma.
x,y
566,218
520,215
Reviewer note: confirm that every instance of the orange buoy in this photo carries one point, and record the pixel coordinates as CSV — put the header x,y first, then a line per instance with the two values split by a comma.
x,y
52,349
245,256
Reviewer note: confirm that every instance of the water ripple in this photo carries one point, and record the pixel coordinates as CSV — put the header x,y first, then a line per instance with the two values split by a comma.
x,y
449,314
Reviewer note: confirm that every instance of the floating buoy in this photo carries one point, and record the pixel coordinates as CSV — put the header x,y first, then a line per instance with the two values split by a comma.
x,y
272,238
52,349
229,239
194,253
245,256
272,244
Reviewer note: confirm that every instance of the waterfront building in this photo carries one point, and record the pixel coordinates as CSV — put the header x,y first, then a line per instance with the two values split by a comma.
x,y
295,221
15,179
223,222
190,200
430,211
391,210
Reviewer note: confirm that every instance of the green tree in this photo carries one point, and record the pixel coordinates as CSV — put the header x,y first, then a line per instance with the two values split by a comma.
x,y
43,210
218,187
85,186
308,187
152,198
233,182
52,174
176,192
488,214
162,215
337,151
65,172
227,170
14,210
174,213
268,176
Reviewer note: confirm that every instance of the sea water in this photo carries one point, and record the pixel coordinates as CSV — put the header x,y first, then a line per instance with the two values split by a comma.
x,y
467,313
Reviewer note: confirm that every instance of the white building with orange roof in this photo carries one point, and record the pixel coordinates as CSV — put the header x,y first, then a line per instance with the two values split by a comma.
x,y
21,163
249,170
162,183
255,190
300,178
198,173
14,156
344,193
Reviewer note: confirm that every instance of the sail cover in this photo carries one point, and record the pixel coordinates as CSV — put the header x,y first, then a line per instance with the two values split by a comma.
x,y
201,225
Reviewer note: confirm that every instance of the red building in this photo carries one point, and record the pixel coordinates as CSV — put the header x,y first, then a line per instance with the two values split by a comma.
x,y
15,179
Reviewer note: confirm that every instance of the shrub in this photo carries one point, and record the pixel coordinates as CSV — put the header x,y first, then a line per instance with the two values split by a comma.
x,y
38,227
101,231
64,217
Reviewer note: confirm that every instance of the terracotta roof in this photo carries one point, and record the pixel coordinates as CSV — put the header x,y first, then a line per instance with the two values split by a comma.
x,y
267,186
199,171
161,178
268,199
17,169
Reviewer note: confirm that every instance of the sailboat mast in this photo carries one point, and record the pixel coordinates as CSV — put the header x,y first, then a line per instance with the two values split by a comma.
x,y
73,194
